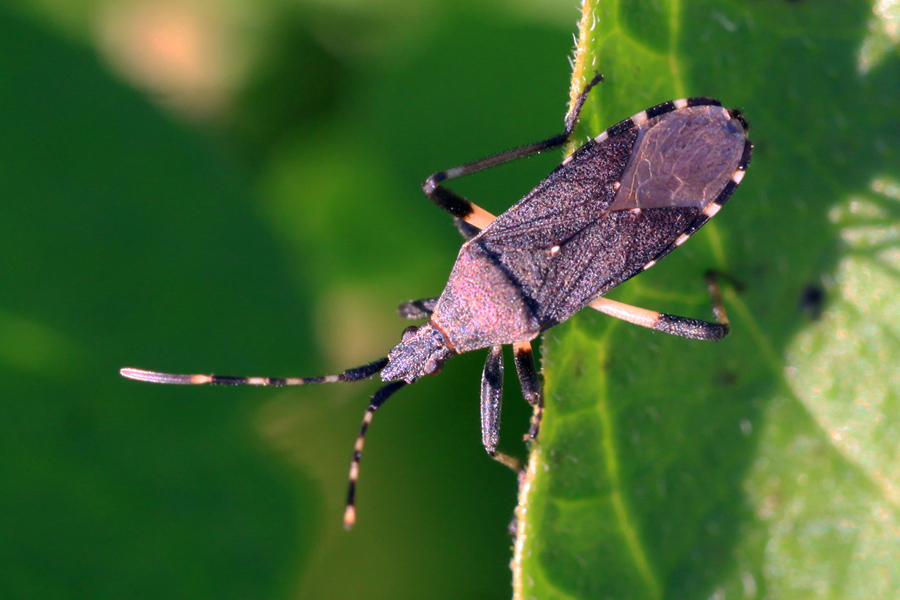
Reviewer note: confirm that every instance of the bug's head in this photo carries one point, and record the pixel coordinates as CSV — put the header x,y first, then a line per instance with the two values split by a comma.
x,y
422,351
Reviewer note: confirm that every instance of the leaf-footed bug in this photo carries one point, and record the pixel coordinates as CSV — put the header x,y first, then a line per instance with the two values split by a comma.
x,y
612,209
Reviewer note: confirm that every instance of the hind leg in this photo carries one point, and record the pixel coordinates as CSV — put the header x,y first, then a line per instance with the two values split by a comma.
x,y
694,329
472,214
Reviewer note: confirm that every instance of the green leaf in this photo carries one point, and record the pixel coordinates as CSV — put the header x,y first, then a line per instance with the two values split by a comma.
x,y
766,465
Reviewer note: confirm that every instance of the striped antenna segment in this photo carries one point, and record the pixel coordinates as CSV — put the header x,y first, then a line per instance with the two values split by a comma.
x,y
378,398
363,372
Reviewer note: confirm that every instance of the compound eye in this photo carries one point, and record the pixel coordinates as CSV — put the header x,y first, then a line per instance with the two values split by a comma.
x,y
409,332
432,366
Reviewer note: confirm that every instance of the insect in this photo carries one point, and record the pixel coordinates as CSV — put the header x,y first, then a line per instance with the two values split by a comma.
x,y
611,210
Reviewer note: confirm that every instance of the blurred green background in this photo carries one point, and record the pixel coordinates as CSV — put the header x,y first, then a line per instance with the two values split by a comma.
x,y
231,186
234,187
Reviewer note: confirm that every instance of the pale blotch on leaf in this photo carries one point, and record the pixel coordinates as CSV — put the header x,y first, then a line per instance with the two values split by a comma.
x,y
843,368
829,503
884,34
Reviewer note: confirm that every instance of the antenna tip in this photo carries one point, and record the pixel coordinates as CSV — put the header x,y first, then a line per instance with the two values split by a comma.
x,y
155,377
349,517
136,374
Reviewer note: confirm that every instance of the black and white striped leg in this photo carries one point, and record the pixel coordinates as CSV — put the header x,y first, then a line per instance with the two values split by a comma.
x,y
363,372
491,403
378,398
694,329
532,386
417,309
472,214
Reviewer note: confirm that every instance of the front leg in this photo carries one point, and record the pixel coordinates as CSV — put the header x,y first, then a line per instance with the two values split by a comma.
x,y
417,309
491,402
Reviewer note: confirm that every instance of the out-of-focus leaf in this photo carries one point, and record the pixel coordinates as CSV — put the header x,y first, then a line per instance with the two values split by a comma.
x,y
117,227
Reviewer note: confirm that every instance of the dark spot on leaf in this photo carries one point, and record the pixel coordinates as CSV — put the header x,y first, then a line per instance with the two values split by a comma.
x,y
725,378
812,300
608,364
578,368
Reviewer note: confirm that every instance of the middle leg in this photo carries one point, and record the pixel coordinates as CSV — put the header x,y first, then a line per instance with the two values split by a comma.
x,y
532,388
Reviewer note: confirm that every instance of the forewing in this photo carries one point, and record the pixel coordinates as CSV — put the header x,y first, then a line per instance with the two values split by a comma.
x,y
561,279
685,159
619,204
